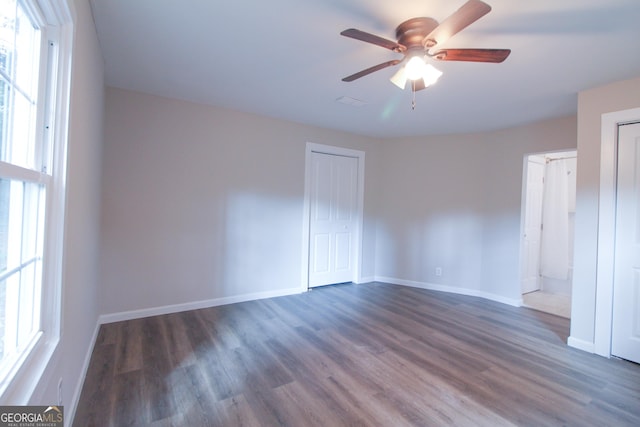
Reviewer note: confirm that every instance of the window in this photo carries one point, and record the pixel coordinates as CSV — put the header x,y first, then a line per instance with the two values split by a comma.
x,y
32,147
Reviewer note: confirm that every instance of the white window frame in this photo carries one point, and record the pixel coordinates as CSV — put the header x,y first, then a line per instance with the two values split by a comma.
x,y
56,18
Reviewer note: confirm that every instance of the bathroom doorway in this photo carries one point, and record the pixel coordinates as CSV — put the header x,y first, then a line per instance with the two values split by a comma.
x,y
549,200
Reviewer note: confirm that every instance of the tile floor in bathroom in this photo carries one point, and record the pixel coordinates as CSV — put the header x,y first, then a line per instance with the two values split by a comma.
x,y
557,304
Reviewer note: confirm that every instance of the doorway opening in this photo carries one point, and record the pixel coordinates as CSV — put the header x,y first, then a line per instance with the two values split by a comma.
x,y
549,201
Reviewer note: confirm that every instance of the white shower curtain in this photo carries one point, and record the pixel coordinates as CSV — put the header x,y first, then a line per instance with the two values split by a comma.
x,y
554,259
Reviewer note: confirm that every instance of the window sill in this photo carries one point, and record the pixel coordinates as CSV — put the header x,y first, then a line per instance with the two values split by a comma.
x,y
27,372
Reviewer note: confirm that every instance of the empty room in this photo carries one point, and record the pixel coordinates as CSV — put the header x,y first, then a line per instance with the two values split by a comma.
x,y
321,213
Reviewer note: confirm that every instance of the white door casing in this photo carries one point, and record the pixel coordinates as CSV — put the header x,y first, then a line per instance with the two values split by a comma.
x,y
332,231
532,220
625,335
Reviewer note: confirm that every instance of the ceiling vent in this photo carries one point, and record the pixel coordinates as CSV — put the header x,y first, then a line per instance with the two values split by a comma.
x,y
351,101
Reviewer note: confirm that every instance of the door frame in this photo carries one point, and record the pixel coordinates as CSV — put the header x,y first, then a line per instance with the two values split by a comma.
x,y
607,226
312,147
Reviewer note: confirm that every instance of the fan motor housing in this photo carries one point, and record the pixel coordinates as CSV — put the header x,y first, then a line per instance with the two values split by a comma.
x,y
412,33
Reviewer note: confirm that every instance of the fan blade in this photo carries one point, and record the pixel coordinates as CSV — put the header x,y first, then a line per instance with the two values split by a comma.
x,y
469,13
370,70
370,38
473,55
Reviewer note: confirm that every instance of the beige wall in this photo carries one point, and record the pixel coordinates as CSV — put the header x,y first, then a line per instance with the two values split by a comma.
x,y
196,198
454,202
592,104
203,203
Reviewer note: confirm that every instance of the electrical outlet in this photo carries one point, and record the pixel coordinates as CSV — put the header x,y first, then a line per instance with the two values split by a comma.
x,y
60,391
438,271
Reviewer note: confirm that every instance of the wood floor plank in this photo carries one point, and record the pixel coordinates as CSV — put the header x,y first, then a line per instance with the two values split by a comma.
x,y
316,405
362,402
353,355
156,368
444,399
129,346
236,412
193,396
178,345
108,334
98,386
128,406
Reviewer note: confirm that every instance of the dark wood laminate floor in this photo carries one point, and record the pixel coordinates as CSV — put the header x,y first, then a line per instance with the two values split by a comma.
x,y
354,355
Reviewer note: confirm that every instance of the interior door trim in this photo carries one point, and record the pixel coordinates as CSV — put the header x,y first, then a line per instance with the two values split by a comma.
x,y
312,147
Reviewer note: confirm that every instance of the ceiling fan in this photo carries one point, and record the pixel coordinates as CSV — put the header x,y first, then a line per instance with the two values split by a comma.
x,y
418,38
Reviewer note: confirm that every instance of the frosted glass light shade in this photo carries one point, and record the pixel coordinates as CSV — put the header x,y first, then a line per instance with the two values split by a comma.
x,y
415,68
400,78
430,75
427,72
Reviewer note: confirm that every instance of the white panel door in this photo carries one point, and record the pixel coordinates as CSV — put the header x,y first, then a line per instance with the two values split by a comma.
x,y
532,222
625,336
333,218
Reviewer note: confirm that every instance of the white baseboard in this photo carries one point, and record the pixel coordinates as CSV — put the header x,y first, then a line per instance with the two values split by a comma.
x,y
581,344
451,289
71,409
366,280
195,305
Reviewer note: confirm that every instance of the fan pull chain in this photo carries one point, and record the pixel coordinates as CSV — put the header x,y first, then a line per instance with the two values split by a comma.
x,y
413,94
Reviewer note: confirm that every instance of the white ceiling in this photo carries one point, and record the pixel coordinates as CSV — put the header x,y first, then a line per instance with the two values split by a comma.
x,y
286,59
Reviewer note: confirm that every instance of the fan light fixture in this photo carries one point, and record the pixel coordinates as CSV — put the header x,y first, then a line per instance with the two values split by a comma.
x,y
416,69
420,38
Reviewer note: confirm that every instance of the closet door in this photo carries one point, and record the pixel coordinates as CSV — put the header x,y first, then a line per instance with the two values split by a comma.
x,y
625,336
333,219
